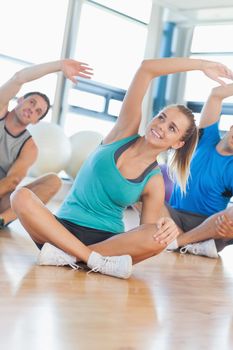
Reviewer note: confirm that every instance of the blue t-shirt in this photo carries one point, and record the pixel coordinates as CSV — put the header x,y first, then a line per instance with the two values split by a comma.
x,y
210,185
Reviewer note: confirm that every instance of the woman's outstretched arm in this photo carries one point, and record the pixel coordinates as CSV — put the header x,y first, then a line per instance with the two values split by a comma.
x,y
130,115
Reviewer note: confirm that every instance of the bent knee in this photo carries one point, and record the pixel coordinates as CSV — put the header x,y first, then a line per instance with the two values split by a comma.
x,y
20,198
152,245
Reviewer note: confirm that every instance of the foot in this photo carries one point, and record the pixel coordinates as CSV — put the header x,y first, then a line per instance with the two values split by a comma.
x,y
50,255
206,248
173,246
116,266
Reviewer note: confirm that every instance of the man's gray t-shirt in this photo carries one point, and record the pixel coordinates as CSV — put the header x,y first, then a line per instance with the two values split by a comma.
x,y
10,147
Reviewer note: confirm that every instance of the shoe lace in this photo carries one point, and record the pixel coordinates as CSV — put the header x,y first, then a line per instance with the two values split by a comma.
x,y
99,268
74,266
188,247
66,260
184,249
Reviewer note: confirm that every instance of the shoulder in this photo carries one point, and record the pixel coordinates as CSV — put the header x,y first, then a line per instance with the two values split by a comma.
x,y
213,128
155,186
209,134
29,148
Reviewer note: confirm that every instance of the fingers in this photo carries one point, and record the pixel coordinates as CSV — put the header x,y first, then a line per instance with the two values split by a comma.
x,y
220,226
228,72
224,226
224,71
168,237
166,232
85,75
84,72
216,71
220,81
86,68
83,63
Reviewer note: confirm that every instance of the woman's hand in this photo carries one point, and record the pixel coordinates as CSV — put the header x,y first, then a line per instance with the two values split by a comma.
x,y
224,227
71,69
215,70
166,232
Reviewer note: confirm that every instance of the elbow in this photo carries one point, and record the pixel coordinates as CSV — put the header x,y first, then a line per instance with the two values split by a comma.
x,y
17,79
146,69
215,91
145,65
218,93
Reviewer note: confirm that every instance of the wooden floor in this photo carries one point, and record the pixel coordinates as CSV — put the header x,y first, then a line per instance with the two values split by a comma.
x,y
171,302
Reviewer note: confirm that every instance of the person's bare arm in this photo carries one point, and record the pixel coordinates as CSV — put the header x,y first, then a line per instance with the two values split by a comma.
x,y
152,200
130,115
152,203
70,68
211,111
20,167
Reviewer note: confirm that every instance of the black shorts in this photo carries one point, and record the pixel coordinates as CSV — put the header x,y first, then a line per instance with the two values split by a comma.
x,y
186,220
86,235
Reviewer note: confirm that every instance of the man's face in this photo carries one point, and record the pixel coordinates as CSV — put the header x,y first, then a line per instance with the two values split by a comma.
x,y
29,110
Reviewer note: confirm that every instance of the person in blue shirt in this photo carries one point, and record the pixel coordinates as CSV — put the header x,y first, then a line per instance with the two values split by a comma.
x,y
89,225
204,213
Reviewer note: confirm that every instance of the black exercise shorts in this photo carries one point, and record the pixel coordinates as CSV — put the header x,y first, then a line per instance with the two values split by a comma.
x,y
86,235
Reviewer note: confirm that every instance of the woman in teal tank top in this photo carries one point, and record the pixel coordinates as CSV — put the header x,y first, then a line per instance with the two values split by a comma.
x,y
122,170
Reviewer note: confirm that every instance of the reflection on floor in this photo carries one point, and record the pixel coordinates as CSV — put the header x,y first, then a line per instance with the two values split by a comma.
x,y
171,302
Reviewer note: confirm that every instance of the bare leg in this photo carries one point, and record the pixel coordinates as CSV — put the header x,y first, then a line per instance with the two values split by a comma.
x,y
45,187
138,243
42,225
205,231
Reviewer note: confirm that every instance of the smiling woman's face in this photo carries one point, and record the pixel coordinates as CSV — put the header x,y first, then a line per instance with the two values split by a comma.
x,y
167,129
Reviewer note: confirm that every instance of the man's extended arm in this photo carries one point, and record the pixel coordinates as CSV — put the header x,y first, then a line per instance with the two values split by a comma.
x,y
211,112
69,67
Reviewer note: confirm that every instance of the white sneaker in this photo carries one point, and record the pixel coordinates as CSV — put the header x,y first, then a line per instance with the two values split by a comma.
x,y
172,246
116,266
206,248
51,255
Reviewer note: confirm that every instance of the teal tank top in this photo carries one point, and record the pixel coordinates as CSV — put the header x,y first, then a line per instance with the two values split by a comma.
x,y
100,193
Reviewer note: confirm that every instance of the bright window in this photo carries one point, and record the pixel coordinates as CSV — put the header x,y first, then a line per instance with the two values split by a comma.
x,y
113,45
31,32
77,122
211,43
86,100
198,86
135,8
214,38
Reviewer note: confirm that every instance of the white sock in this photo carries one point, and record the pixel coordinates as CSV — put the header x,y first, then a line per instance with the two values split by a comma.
x,y
173,245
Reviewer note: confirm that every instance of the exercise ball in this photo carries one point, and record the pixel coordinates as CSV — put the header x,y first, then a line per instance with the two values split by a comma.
x,y
167,181
82,144
54,148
